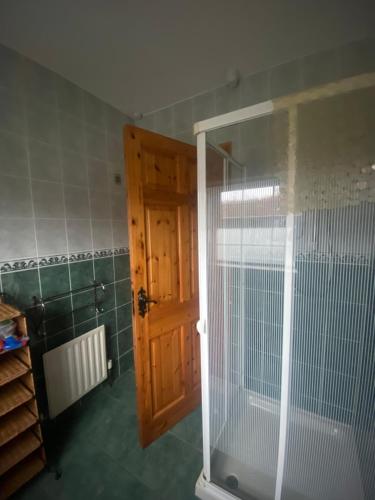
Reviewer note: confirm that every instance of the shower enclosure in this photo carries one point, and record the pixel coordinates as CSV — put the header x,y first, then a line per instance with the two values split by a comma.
x,y
286,256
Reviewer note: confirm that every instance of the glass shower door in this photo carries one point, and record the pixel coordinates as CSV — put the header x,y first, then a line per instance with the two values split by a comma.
x,y
246,232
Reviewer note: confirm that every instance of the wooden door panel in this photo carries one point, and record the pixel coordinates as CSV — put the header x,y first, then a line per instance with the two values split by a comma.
x,y
167,374
171,315
162,214
159,170
162,253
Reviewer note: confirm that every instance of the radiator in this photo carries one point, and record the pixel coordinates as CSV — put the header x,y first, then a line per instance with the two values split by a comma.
x,y
74,368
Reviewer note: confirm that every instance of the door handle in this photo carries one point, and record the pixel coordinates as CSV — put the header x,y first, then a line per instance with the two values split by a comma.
x,y
143,302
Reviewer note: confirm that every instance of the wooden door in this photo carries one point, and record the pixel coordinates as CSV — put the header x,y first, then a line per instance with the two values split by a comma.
x,y
162,214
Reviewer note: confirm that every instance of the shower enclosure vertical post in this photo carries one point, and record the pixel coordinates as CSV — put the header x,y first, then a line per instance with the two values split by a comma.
x,y
288,302
203,309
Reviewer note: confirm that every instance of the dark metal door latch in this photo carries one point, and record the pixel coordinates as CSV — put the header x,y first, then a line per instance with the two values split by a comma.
x,y
143,302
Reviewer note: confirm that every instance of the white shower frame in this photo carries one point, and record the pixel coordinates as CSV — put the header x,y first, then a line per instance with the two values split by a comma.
x,y
205,489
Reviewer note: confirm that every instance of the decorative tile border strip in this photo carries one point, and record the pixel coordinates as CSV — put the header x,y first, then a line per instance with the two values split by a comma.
x,y
327,258
78,257
18,265
34,263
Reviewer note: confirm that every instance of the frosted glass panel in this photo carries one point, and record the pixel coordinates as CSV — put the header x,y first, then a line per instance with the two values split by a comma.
x,y
245,255
320,172
330,450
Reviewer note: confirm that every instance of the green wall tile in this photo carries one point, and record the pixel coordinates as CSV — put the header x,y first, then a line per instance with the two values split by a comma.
x,y
125,341
123,292
108,319
271,391
81,274
122,267
124,317
54,280
126,362
83,306
112,350
60,338
58,315
343,398
84,327
20,287
104,270
37,349
107,298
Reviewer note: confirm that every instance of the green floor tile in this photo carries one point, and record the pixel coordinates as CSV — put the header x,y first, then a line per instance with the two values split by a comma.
x,y
95,444
166,462
190,429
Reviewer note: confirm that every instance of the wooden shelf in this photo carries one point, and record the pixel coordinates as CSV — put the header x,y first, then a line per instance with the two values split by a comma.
x,y
13,395
18,449
11,368
8,312
16,422
22,454
21,474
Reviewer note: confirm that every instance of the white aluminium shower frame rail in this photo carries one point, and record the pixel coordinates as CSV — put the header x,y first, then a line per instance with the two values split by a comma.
x,y
200,129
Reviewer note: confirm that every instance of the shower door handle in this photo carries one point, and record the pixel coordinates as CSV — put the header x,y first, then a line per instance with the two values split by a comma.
x,y
143,302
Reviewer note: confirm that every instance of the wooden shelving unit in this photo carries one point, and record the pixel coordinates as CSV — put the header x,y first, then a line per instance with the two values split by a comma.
x,y
11,368
22,454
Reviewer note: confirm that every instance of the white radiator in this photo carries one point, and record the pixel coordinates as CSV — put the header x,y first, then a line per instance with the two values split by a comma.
x,y
74,368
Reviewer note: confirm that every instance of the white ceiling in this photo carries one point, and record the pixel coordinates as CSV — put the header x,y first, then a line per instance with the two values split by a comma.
x,y
141,55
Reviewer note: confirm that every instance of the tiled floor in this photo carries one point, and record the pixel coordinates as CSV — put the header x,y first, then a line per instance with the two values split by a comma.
x,y
99,454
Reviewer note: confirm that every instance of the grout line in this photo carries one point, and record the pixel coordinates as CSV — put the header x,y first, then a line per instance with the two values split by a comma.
x,y
59,147
199,449
27,149
116,319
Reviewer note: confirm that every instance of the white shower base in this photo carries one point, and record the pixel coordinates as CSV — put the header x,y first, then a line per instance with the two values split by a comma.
x,y
321,462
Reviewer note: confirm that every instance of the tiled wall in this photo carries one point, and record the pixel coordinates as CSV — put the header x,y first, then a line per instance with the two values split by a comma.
x,y
177,120
62,215
74,314
60,148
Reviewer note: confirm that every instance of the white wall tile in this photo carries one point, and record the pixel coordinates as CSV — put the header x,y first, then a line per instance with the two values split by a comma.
x,y
97,174
71,130
115,149
12,115
102,233
15,197
76,202
42,124
120,233
48,199
100,204
203,106
44,161
119,206
69,97
95,143
13,155
51,236
17,239
79,235
183,116
93,109
74,168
